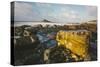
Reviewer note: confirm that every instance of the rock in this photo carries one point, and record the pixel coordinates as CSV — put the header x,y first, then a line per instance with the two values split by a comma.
x,y
78,44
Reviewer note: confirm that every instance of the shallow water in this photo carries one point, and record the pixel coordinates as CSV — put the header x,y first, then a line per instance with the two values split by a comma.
x,y
46,40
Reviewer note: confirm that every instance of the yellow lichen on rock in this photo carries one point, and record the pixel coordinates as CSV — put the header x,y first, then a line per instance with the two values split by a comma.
x,y
76,41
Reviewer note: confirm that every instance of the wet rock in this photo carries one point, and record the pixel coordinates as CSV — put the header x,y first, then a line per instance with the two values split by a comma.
x,y
60,54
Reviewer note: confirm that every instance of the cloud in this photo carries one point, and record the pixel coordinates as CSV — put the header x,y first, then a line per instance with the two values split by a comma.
x,y
70,14
65,15
24,12
43,5
92,11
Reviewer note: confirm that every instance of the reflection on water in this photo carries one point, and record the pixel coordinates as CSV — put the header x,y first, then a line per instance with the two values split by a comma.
x,y
47,39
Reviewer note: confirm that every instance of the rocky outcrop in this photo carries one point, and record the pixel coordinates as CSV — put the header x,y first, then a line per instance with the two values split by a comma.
x,y
77,43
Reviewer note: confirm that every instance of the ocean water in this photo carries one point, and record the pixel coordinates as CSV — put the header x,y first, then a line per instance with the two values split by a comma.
x,y
43,23
36,23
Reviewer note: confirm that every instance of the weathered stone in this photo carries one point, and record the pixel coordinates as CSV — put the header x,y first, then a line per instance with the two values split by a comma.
x,y
78,44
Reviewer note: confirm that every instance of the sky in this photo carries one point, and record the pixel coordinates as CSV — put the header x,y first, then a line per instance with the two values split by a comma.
x,y
62,13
